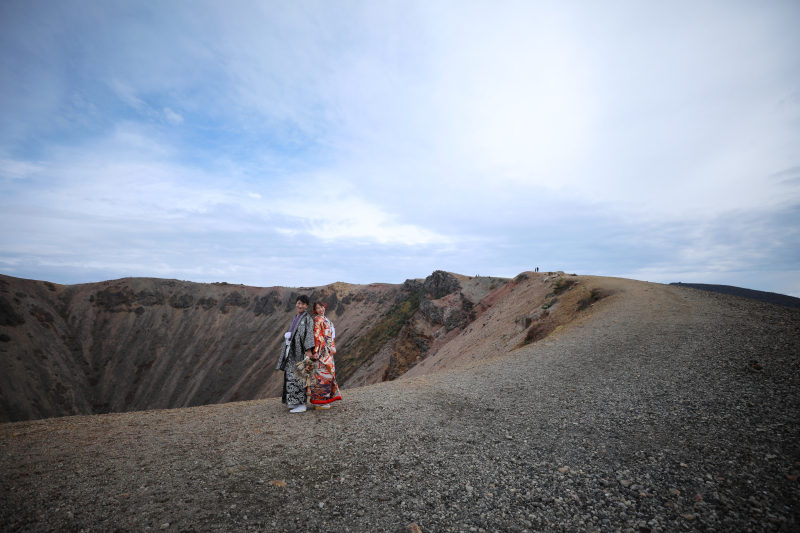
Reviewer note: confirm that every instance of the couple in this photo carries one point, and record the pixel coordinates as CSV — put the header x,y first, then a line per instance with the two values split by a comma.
x,y
311,337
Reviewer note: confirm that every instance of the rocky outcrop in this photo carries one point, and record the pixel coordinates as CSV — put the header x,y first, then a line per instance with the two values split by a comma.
x,y
149,299
441,283
111,300
352,355
410,347
331,299
441,299
181,300
439,308
437,285
121,298
267,304
234,299
8,315
451,312
206,303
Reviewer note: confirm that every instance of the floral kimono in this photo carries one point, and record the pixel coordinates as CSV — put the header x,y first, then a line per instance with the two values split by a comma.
x,y
324,389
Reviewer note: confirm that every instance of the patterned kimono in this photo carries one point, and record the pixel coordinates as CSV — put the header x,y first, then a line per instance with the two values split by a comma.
x,y
323,387
294,388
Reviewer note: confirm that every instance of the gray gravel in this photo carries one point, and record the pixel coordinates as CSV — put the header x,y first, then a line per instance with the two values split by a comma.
x,y
651,416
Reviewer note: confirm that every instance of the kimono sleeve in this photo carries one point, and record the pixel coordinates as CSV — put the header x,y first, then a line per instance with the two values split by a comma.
x,y
307,338
319,334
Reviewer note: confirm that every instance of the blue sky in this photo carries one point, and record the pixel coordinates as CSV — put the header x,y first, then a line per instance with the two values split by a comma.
x,y
301,143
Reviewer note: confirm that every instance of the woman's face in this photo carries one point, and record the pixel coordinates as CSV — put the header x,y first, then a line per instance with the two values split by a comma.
x,y
300,306
320,310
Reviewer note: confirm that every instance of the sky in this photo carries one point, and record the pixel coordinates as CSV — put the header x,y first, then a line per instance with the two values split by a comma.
x,y
307,142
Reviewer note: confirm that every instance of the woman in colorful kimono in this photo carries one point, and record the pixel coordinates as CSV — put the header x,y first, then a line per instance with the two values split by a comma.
x,y
324,389
299,345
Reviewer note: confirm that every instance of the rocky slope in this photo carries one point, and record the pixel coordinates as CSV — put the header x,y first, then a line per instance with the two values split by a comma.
x,y
139,343
655,409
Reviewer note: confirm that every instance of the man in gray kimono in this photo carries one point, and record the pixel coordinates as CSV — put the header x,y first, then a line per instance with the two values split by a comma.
x,y
299,344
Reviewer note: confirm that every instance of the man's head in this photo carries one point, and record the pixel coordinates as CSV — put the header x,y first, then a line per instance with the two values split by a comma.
x,y
301,304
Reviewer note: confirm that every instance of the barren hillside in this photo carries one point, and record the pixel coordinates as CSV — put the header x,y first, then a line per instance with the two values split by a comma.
x,y
137,343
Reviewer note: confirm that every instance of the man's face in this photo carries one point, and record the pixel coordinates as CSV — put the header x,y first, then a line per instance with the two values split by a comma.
x,y
300,306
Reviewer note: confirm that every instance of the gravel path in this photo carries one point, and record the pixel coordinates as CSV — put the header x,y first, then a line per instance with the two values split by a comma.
x,y
646,416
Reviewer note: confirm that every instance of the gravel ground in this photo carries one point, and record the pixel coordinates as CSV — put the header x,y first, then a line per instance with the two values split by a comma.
x,y
761,296
667,409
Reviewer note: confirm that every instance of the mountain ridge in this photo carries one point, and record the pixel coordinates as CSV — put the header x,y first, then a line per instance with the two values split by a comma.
x,y
147,343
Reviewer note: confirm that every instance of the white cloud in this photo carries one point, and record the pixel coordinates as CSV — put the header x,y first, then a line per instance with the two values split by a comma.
x,y
352,218
128,95
172,117
130,176
17,170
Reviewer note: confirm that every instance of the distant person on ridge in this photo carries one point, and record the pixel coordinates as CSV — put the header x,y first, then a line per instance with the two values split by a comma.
x,y
324,389
299,344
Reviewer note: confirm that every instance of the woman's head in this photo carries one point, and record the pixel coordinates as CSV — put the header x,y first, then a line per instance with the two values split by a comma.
x,y
302,303
319,308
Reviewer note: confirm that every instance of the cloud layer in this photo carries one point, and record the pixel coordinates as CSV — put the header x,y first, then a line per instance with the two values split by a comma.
x,y
310,142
